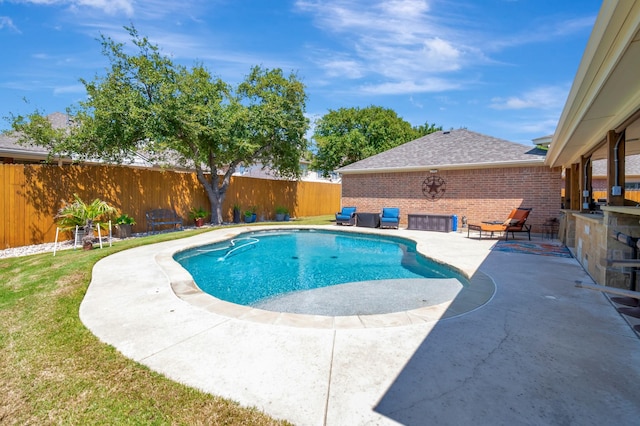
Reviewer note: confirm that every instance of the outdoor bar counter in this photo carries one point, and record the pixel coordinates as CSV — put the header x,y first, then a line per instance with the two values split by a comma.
x,y
588,236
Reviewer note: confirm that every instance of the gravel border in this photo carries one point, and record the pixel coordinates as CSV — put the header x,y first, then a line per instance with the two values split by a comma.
x,y
42,248
68,244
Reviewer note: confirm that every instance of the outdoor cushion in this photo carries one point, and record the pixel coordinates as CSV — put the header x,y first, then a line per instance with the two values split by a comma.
x,y
346,216
516,222
390,216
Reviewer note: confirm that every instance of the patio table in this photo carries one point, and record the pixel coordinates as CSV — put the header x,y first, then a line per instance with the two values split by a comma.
x,y
368,220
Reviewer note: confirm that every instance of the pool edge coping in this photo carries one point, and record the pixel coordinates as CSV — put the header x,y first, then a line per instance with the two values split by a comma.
x,y
185,288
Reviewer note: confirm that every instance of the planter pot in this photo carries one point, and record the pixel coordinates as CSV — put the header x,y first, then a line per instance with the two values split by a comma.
x,y
87,240
236,216
250,219
199,222
279,217
81,239
287,217
123,230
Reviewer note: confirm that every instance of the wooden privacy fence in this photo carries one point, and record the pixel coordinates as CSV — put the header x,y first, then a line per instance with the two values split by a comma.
x,y
31,195
632,195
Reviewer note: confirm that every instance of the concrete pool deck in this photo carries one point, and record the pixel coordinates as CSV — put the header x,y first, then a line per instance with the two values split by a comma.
x,y
541,351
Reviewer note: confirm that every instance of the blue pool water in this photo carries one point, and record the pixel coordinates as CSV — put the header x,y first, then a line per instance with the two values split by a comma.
x,y
259,265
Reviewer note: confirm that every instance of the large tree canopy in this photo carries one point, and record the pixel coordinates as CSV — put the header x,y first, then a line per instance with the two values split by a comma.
x,y
347,135
147,103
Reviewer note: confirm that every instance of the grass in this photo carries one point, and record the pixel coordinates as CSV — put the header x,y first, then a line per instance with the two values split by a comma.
x,y
54,371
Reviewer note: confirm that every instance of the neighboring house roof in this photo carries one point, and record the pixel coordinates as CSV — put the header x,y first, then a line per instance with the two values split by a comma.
x,y
9,146
454,149
631,167
261,171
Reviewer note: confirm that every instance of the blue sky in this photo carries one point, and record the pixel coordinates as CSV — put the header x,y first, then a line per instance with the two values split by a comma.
x,y
498,67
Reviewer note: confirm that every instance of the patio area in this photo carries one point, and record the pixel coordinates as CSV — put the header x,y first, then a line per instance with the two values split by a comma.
x,y
540,351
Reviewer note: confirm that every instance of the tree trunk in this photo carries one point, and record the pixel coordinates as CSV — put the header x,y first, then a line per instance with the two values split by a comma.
x,y
216,197
216,208
215,192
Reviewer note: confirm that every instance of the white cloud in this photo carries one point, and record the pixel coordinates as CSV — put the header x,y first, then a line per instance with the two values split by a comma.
x,y
7,22
409,87
404,7
442,52
542,127
412,41
546,97
110,7
542,32
398,40
343,68
74,88
415,103
530,125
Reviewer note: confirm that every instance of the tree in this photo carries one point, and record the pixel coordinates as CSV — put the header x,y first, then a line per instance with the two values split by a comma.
x,y
347,135
425,129
147,103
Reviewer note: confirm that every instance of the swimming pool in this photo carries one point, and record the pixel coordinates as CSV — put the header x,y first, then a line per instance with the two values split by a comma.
x,y
253,268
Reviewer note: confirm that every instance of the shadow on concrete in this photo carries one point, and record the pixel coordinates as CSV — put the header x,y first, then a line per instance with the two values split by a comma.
x,y
541,352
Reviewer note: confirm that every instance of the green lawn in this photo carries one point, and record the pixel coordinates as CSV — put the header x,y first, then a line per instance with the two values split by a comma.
x,y
54,371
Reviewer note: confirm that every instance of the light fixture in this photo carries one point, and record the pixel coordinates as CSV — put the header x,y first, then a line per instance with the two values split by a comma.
x,y
433,171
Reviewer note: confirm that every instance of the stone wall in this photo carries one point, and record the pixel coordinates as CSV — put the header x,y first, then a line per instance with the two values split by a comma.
x,y
628,225
590,245
593,245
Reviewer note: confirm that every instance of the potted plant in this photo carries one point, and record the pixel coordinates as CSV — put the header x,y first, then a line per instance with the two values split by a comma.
x,y
250,214
80,218
236,213
281,212
198,215
124,222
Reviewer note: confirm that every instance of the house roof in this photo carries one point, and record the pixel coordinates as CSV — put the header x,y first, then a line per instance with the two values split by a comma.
x,y
28,152
631,166
605,94
9,146
454,149
8,143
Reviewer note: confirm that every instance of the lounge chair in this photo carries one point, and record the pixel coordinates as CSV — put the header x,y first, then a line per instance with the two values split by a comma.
x,y
390,217
516,222
346,216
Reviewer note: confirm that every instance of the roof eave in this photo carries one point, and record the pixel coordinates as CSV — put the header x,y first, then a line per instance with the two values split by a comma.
x,y
22,154
408,169
579,130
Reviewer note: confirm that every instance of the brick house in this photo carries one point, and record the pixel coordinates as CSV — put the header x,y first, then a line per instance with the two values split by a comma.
x,y
459,172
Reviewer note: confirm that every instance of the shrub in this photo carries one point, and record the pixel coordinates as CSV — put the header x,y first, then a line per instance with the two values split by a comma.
x,y
79,213
198,213
125,219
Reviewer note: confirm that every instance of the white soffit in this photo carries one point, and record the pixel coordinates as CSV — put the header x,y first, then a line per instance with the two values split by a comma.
x,y
606,90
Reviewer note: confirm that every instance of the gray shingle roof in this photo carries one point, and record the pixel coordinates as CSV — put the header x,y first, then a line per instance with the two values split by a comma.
x,y
631,166
8,143
449,149
8,140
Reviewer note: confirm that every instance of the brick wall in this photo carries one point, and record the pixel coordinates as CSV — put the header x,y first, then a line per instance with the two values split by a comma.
x,y
478,194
